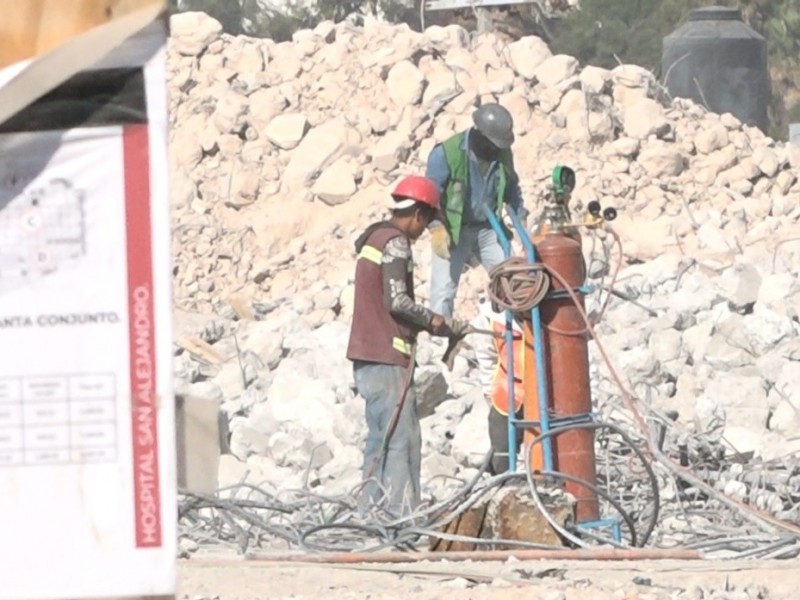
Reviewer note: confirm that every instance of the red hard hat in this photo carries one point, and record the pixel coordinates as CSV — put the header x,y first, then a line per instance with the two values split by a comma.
x,y
419,189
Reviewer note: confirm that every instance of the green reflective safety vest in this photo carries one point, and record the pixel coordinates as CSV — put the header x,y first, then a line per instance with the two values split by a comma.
x,y
457,190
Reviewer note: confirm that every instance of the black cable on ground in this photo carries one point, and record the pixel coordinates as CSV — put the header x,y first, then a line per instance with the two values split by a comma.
x,y
651,475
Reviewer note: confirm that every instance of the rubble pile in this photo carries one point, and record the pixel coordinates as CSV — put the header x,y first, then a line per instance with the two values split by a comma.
x,y
283,152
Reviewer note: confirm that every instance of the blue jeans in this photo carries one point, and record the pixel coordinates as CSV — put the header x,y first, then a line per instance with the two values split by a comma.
x,y
394,482
480,242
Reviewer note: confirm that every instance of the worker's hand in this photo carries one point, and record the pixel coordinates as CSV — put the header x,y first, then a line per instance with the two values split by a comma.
x,y
439,325
440,241
455,331
458,328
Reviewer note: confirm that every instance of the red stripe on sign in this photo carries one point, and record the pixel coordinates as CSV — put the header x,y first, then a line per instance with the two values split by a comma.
x,y
144,411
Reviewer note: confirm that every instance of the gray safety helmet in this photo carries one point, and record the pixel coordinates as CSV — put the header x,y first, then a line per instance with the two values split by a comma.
x,y
496,123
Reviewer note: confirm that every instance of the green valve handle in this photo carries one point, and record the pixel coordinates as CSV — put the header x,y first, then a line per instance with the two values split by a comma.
x,y
563,180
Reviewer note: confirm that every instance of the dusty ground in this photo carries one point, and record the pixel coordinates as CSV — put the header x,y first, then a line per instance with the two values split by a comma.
x,y
234,579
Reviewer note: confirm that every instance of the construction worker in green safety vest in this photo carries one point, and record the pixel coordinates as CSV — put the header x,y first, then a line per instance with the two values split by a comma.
x,y
473,169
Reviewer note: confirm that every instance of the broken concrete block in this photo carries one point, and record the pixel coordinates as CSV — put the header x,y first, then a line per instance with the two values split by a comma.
x,y
286,130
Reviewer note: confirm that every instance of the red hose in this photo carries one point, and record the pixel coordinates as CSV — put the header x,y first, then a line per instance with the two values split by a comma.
x,y
479,555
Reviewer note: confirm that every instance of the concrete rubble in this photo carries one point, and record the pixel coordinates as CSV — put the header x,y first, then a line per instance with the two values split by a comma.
x,y
283,152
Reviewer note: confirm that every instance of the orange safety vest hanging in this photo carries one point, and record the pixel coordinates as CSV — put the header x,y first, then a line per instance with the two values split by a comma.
x,y
499,395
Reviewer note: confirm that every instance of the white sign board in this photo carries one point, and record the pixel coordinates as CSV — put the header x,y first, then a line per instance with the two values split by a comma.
x,y
87,428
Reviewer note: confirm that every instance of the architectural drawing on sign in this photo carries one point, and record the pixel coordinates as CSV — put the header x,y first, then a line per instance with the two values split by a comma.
x,y
41,228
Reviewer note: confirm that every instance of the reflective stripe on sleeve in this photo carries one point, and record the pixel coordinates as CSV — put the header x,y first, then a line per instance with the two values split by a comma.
x,y
401,345
371,254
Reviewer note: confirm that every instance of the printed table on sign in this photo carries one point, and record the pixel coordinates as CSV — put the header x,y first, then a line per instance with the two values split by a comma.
x,y
57,419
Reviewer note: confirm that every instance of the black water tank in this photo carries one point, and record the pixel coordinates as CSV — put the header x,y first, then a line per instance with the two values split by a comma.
x,y
719,62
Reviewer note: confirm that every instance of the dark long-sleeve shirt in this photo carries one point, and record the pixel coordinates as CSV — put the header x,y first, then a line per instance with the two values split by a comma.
x,y
396,262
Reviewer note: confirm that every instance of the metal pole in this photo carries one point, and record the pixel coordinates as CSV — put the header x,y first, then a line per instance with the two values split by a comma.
x,y
509,338
483,20
538,345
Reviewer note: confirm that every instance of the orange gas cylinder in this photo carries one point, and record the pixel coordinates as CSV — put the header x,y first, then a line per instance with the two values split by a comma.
x,y
567,360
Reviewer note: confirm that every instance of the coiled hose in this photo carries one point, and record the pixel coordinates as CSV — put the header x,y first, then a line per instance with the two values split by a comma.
x,y
517,285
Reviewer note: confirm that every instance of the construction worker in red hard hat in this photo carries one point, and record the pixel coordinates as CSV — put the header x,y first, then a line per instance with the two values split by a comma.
x,y
386,320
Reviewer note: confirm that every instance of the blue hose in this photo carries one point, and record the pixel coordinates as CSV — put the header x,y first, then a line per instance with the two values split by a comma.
x,y
505,243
